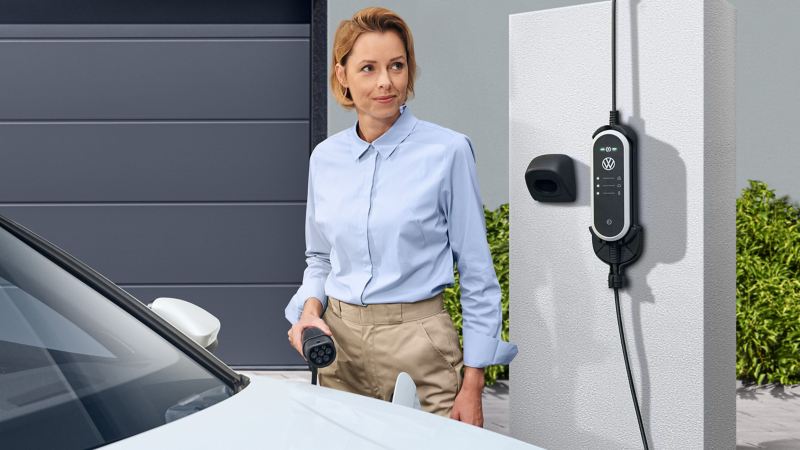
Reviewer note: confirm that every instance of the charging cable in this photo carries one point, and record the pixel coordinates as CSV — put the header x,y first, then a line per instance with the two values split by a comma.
x,y
620,252
616,280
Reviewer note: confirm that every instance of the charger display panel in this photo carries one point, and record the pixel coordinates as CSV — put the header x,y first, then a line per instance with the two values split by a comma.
x,y
611,199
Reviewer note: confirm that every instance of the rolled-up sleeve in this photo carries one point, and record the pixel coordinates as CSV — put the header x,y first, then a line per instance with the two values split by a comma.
x,y
480,291
317,260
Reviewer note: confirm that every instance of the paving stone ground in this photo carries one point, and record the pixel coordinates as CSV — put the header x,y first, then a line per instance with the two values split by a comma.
x,y
767,417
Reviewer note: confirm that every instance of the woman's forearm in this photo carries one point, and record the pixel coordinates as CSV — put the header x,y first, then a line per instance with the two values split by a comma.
x,y
312,307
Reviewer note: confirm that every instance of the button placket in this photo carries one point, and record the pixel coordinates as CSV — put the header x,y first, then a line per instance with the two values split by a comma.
x,y
373,159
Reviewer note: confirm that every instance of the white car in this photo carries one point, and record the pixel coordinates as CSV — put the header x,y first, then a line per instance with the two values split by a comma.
x,y
84,365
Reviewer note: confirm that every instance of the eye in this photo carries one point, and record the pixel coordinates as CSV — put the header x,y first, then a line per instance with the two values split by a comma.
x,y
367,68
397,66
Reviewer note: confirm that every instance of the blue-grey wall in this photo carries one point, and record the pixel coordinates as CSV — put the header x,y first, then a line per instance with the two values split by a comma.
x,y
166,145
768,94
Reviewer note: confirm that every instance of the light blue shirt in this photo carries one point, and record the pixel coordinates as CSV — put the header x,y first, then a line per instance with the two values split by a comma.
x,y
385,222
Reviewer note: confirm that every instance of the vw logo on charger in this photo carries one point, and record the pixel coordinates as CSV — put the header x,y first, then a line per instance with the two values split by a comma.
x,y
608,163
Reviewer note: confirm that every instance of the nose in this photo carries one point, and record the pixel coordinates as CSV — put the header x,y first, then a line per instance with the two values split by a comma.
x,y
383,80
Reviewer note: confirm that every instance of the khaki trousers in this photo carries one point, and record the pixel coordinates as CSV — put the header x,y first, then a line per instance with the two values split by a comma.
x,y
374,343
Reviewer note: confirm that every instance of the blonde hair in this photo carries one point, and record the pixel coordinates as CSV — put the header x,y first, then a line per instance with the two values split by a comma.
x,y
365,21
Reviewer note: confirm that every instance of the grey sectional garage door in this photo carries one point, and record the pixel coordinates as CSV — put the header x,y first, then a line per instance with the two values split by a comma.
x,y
168,151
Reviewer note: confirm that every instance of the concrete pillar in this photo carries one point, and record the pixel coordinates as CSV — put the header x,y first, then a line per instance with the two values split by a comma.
x,y
675,87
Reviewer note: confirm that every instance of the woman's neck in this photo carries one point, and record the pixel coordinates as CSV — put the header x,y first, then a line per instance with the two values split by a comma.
x,y
370,128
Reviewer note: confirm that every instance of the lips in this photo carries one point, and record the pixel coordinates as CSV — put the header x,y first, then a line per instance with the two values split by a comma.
x,y
385,99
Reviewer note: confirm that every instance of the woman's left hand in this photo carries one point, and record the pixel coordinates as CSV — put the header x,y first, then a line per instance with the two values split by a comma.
x,y
468,406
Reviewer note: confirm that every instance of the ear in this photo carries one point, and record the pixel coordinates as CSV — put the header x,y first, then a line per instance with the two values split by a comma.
x,y
340,75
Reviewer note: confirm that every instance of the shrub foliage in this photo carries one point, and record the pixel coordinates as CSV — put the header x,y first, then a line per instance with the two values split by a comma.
x,y
497,236
767,287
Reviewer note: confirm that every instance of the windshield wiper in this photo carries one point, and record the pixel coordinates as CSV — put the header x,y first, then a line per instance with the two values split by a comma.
x,y
197,402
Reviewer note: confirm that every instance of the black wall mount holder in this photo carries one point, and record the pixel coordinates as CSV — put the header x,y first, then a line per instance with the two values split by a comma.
x,y
551,178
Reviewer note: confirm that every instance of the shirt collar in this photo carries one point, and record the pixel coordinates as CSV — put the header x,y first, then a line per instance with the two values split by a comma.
x,y
388,141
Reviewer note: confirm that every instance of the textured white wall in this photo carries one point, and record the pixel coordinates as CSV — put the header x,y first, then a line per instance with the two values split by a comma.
x,y
675,87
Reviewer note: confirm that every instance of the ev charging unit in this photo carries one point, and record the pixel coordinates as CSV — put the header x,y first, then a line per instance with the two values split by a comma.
x,y
648,198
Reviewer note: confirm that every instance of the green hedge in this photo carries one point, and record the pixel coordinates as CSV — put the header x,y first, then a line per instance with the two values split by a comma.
x,y
497,235
767,287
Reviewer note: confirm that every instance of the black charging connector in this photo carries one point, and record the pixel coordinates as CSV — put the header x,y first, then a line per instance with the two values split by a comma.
x,y
318,349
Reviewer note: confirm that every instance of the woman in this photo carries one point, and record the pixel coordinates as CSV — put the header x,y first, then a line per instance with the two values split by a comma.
x,y
392,202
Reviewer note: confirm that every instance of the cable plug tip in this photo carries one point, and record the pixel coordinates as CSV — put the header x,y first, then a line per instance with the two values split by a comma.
x,y
616,281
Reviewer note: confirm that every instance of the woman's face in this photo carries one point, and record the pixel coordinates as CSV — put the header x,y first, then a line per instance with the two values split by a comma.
x,y
376,74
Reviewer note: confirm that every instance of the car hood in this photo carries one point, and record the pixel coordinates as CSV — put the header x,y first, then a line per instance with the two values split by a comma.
x,y
282,414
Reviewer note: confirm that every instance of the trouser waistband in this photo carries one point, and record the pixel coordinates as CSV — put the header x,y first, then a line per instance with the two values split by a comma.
x,y
387,313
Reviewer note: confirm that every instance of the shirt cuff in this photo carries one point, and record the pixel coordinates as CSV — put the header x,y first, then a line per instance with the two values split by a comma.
x,y
481,350
295,306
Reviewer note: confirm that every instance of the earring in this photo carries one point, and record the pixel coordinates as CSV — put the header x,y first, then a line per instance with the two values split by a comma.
x,y
345,92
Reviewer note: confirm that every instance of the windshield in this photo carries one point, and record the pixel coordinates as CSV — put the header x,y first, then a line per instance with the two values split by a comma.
x,y
76,371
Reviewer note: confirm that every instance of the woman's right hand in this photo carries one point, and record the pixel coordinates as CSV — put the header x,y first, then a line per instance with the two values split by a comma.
x,y
311,317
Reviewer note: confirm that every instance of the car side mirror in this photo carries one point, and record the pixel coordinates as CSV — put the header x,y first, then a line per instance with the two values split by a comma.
x,y
195,322
405,392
